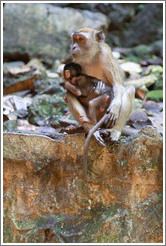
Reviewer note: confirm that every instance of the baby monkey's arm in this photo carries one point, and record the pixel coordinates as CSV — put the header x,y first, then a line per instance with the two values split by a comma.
x,y
72,88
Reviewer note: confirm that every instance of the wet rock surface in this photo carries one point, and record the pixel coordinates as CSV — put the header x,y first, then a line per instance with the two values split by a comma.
x,y
47,200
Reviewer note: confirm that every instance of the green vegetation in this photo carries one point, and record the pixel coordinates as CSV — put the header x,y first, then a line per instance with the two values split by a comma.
x,y
156,95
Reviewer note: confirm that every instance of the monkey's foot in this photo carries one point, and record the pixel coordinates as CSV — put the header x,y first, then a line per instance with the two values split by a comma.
x,y
98,137
114,134
84,119
110,135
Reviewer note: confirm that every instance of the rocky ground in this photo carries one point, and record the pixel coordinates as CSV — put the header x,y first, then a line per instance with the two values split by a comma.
x,y
46,198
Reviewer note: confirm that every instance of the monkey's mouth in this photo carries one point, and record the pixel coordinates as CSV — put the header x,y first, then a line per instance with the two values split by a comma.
x,y
75,53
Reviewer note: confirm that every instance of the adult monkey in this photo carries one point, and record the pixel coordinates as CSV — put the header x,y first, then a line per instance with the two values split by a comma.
x,y
95,57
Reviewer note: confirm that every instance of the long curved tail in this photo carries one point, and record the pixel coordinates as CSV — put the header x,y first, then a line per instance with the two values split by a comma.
x,y
87,141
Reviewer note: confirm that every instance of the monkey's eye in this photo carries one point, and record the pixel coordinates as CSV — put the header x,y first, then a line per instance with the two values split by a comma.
x,y
80,38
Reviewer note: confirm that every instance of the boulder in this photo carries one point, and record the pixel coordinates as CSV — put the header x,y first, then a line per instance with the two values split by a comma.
x,y
43,30
147,26
46,199
131,67
19,78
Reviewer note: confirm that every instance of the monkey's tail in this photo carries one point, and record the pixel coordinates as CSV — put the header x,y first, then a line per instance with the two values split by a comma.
x,y
87,141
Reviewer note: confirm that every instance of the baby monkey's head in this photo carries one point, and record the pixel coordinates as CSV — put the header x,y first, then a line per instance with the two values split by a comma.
x,y
71,70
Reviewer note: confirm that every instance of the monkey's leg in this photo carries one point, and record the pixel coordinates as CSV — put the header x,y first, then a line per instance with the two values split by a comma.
x,y
95,104
77,109
125,111
84,119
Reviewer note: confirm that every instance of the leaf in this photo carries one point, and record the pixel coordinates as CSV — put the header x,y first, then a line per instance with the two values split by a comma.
x,y
140,94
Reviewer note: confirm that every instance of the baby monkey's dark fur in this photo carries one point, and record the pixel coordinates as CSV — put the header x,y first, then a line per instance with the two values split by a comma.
x,y
95,102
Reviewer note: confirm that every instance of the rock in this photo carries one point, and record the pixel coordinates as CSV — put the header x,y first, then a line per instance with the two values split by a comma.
x,y
46,30
143,51
46,106
52,75
48,82
155,61
72,129
15,103
83,6
19,78
138,119
154,69
121,50
52,89
58,66
47,85
116,54
157,122
142,54
21,113
25,127
121,13
129,131
158,48
10,126
22,93
147,26
36,63
152,106
131,67
137,104
13,64
158,72
47,200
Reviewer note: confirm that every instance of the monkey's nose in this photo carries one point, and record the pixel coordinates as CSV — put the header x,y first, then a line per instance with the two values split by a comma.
x,y
74,47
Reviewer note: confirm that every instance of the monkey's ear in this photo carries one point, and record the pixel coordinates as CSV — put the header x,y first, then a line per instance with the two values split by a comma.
x,y
100,36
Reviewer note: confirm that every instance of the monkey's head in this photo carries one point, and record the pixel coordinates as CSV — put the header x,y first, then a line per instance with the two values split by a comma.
x,y
71,70
86,42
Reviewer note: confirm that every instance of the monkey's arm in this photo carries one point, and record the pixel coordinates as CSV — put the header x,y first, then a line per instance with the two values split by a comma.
x,y
115,79
73,89
115,105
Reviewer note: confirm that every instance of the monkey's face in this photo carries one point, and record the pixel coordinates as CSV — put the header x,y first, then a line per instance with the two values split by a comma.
x,y
67,74
85,42
79,44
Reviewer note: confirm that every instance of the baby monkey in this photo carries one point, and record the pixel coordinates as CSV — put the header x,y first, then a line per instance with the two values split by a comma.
x,y
96,101
85,87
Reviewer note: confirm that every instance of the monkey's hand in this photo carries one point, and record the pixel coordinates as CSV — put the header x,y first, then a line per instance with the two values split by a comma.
x,y
113,114
100,88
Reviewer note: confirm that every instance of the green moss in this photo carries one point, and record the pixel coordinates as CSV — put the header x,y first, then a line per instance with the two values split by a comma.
x,y
10,125
156,95
46,106
8,236
107,237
